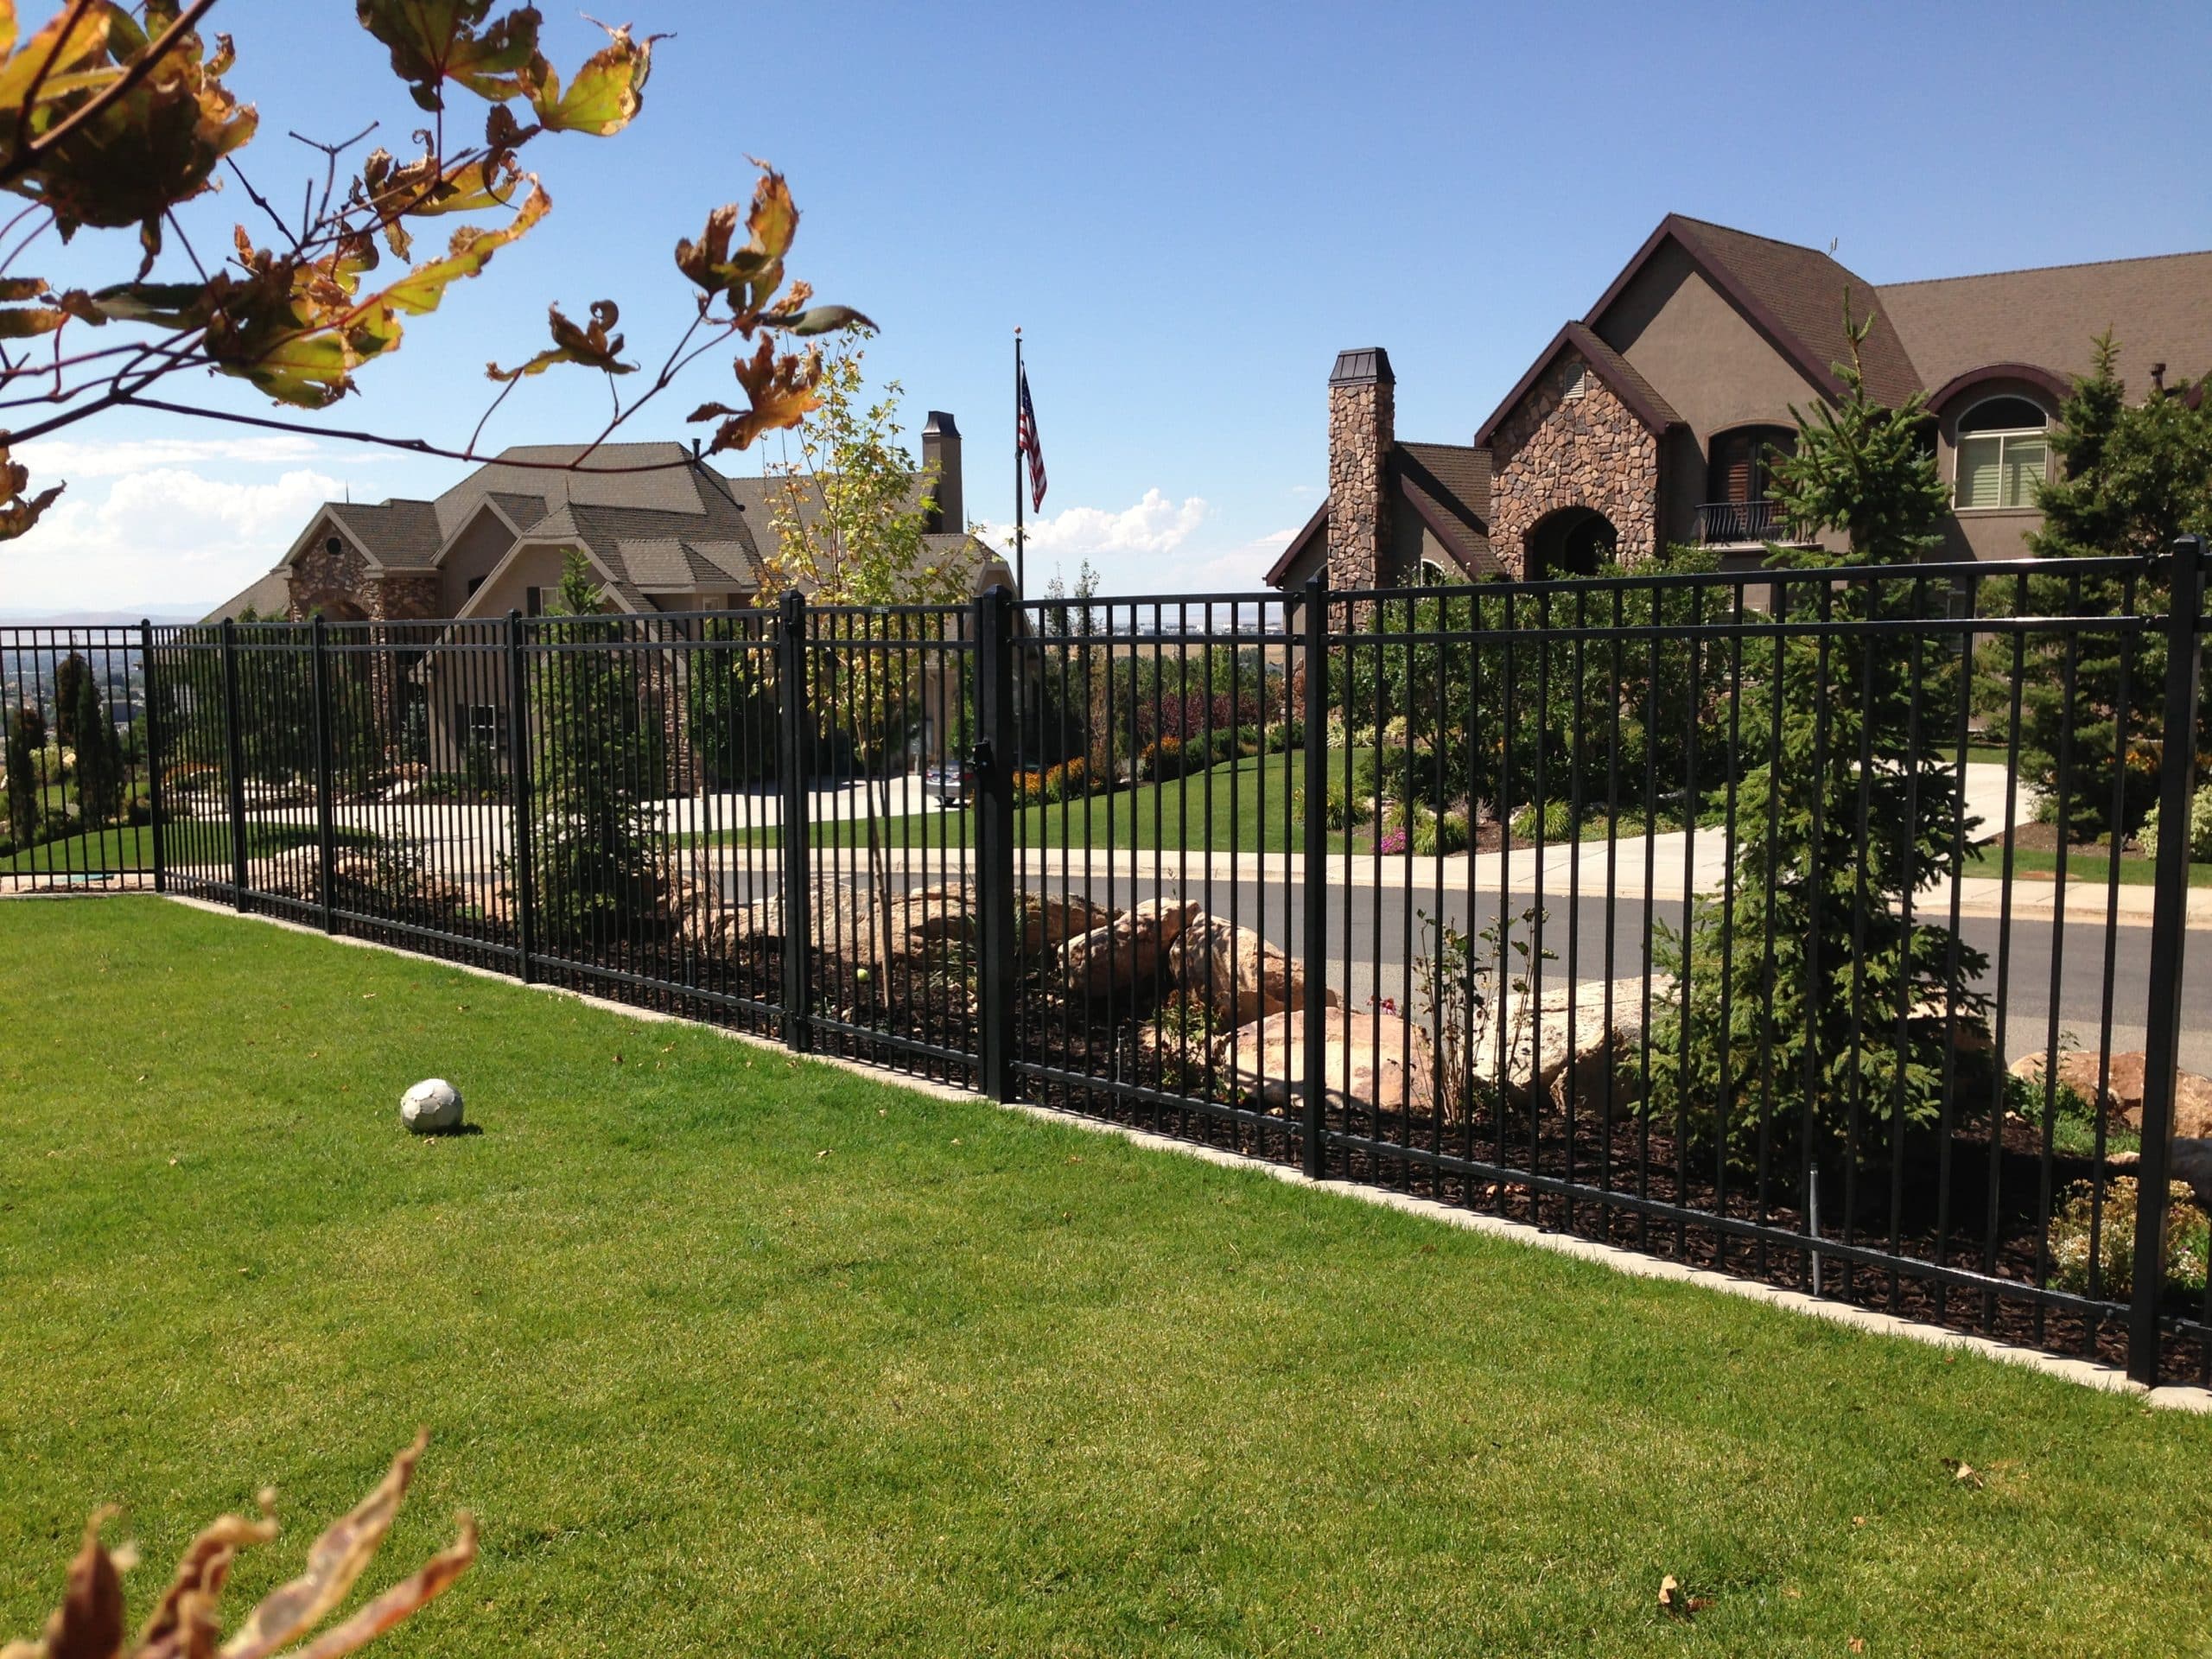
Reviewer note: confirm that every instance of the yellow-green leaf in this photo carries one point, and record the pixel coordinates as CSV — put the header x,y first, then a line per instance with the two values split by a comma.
x,y
66,55
421,289
752,274
607,93
432,42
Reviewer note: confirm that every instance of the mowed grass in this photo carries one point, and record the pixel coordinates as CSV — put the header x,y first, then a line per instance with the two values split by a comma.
x,y
735,1355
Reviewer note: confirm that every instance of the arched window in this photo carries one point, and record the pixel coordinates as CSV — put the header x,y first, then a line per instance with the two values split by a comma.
x,y
1432,575
2003,453
1738,483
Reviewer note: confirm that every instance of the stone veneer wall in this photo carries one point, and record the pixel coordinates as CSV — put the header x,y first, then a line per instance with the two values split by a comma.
x,y
1362,420
1553,452
329,582
409,598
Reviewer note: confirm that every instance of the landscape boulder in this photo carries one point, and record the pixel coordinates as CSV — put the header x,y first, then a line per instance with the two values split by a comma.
x,y
2078,1069
1232,970
1370,1060
1125,951
1573,1047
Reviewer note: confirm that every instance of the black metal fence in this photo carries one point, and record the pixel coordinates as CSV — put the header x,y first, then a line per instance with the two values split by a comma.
x,y
1793,923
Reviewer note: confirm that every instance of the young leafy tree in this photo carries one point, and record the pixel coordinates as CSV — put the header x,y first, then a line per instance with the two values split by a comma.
x,y
851,516
598,882
1847,810
2134,477
116,120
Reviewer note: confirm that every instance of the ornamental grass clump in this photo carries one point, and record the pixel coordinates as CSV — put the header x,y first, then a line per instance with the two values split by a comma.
x,y
185,1623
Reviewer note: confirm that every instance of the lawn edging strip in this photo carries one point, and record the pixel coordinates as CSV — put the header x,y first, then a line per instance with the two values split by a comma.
x,y
2082,1372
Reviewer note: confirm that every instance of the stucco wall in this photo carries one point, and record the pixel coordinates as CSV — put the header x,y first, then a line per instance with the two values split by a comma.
x,y
473,553
1553,452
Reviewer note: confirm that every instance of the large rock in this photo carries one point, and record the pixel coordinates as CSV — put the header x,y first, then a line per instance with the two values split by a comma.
x,y
1234,971
2078,1069
1369,1060
2191,1162
1127,951
1574,1045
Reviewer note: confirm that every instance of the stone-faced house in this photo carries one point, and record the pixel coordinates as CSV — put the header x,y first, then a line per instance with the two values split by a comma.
x,y
663,530
665,534
1649,422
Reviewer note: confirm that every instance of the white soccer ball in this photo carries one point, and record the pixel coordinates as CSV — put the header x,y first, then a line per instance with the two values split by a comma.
x,y
430,1105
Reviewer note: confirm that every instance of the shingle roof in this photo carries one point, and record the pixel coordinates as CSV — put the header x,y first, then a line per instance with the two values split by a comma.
x,y
271,595
399,535
1632,389
2159,310
656,477
1794,295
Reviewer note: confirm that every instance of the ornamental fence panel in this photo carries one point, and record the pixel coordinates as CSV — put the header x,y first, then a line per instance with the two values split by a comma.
x,y
1801,924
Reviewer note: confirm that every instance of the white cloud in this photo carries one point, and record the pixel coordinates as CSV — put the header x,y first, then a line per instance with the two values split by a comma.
x,y
52,458
1155,524
1241,567
160,537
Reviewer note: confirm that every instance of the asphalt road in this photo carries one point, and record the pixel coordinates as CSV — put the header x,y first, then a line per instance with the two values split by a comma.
x,y
2034,965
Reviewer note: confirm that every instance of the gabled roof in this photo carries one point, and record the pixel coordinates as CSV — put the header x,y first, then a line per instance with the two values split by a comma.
x,y
1445,486
2159,310
1793,296
396,535
1609,367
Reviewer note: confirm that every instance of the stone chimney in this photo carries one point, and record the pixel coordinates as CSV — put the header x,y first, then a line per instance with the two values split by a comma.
x,y
941,459
1362,426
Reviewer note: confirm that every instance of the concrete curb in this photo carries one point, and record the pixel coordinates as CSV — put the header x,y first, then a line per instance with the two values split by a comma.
x,y
2083,1373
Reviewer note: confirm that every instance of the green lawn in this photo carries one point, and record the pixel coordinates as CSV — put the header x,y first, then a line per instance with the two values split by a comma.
x,y
132,848
2082,868
1173,814
735,1355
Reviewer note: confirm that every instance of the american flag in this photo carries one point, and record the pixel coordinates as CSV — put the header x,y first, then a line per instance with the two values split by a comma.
x,y
1025,443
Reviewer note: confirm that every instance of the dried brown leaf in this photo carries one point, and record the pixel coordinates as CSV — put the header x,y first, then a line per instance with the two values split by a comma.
x,y
201,1571
1675,1603
423,1585
591,347
334,1561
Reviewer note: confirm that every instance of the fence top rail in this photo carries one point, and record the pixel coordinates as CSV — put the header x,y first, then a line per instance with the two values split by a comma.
x,y
1750,625
1960,570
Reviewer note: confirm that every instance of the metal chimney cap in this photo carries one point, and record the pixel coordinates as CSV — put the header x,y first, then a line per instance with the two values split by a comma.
x,y
940,425
1371,365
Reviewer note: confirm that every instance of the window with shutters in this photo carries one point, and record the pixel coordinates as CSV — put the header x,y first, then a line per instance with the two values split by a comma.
x,y
1740,470
2003,453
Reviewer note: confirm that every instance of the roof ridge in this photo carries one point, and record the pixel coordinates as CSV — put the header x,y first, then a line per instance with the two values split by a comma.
x,y
2036,271
1757,236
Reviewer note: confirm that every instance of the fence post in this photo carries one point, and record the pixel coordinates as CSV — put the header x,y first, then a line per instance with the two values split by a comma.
x,y
792,833
2169,936
150,742
995,757
234,737
326,830
519,838
1314,943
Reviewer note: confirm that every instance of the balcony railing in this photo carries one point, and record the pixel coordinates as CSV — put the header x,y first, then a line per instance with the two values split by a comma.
x,y
1720,523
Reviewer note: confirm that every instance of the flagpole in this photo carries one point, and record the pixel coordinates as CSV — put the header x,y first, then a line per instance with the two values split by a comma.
x,y
1020,571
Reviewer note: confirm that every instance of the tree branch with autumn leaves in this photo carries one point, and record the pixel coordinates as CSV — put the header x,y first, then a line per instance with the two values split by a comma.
x,y
111,118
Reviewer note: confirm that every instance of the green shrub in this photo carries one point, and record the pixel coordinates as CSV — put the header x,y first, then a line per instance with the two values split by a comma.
x,y
1557,821
1346,809
2200,829
1441,834
2187,1234
1286,736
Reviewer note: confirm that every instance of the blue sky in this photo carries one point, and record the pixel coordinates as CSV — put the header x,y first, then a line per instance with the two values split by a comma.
x,y
1189,208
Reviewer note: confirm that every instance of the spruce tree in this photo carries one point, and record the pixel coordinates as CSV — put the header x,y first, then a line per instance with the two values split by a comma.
x,y
1848,809
597,878
2133,477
